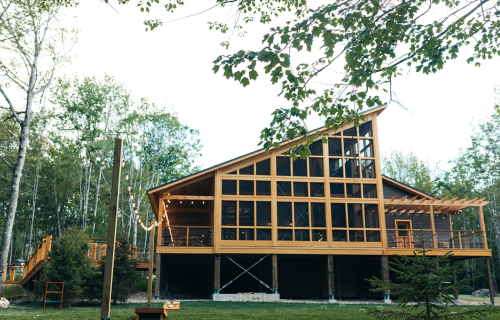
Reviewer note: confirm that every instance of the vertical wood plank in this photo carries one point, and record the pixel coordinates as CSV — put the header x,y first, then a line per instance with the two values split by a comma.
x,y
490,280
151,259
158,274
274,203
455,292
217,273
112,222
331,279
483,228
328,207
433,227
217,211
275,273
380,186
385,271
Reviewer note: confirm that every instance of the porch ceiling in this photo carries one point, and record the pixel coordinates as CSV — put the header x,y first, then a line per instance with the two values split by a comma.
x,y
434,205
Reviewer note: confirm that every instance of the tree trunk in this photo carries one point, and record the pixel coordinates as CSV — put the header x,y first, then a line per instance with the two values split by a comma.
x,y
33,209
14,190
97,196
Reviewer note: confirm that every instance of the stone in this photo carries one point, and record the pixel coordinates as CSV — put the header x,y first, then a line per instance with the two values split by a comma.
x,y
4,303
481,293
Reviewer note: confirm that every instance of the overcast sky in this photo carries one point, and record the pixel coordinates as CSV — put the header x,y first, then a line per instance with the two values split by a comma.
x,y
172,67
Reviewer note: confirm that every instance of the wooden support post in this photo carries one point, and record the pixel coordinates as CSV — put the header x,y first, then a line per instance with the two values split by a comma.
x,y
158,273
331,279
151,259
217,274
275,273
490,280
112,221
455,292
384,264
433,227
483,228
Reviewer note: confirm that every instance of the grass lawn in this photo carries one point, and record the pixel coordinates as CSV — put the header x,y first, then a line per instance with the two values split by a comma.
x,y
200,310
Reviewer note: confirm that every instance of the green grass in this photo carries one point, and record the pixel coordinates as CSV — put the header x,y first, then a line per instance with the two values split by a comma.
x,y
202,310
11,291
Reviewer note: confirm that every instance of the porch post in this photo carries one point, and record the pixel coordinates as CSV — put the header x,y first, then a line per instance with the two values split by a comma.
x,y
275,273
455,293
331,279
217,274
158,273
384,263
483,228
433,227
490,280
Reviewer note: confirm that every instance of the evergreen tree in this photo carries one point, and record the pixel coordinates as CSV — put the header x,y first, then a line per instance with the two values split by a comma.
x,y
124,273
69,263
419,291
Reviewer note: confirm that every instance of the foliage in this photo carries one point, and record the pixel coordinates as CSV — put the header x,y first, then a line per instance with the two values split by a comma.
x,y
70,264
12,291
409,169
419,291
124,273
367,42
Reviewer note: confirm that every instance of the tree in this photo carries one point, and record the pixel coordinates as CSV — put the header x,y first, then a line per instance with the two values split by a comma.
x,y
367,42
124,273
409,169
69,262
419,292
30,49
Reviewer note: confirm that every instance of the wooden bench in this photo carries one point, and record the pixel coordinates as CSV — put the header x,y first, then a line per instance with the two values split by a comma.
x,y
151,312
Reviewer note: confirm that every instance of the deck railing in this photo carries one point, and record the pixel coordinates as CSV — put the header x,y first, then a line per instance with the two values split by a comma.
x,y
187,236
440,239
10,272
41,254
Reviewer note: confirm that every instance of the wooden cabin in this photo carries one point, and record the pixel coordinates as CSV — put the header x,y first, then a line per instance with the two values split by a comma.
x,y
309,228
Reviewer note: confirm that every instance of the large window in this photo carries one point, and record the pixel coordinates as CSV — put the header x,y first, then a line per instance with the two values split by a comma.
x,y
301,221
351,154
246,220
355,222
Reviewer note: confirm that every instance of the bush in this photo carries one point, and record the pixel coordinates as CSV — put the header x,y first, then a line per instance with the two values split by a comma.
x,y
124,273
69,263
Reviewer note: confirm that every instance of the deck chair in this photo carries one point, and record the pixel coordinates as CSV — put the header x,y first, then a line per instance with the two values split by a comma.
x,y
394,241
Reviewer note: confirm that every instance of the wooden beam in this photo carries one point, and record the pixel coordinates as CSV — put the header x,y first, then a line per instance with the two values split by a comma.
x,y
151,258
112,222
393,198
275,273
490,280
187,197
384,264
188,210
483,227
433,226
217,274
331,278
158,274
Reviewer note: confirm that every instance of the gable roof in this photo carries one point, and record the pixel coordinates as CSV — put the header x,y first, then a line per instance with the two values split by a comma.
x,y
405,187
376,110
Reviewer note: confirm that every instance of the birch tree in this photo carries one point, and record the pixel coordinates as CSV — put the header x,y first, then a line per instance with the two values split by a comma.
x,y
31,48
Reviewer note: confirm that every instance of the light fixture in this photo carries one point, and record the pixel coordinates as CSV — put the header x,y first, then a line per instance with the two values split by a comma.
x,y
129,188
131,197
180,201
133,204
192,202
203,202
123,164
126,177
168,200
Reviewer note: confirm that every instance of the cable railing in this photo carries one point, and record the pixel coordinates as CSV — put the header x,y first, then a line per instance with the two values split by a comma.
x,y
187,236
440,239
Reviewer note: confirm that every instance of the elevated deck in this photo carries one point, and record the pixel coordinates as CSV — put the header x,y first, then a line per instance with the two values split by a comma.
x,y
40,257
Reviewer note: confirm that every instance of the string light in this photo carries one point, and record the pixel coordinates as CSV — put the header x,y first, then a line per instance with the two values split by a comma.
x,y
131,197
129,188
126,177
123,164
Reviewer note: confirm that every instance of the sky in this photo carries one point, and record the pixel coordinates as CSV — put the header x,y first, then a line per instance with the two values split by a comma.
x,y
171,66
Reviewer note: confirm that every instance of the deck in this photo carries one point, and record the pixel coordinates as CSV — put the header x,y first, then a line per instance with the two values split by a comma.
x,y
40,257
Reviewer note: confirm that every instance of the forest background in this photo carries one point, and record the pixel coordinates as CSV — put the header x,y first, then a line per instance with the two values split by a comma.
x,y
65,181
